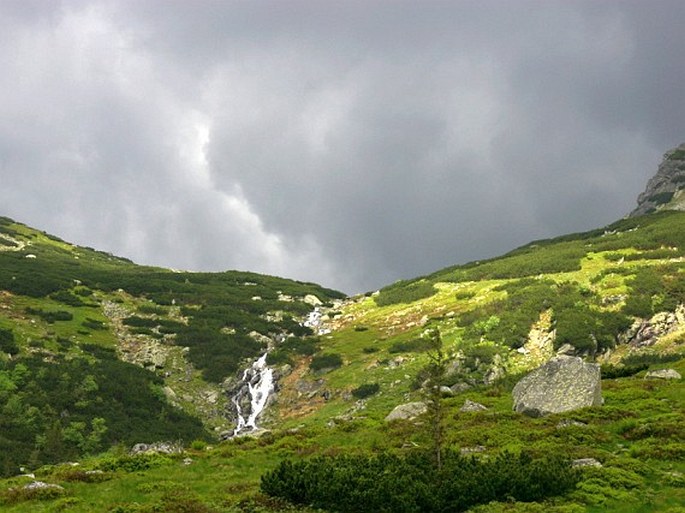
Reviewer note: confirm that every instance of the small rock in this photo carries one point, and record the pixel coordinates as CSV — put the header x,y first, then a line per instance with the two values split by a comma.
x,y
465,451
407,411
472,406
566,423
446,391
40,484
566,349
586,462
187,461
312,300
457,388
663,374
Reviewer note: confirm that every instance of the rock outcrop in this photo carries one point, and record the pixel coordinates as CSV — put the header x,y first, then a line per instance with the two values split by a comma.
x,y
564,383
665,190
645,333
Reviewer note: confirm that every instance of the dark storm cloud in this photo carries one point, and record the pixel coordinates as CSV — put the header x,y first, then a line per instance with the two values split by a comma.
x,y
349,143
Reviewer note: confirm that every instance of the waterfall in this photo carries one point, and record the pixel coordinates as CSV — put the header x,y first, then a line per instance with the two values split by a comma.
x,y
258,383
314,321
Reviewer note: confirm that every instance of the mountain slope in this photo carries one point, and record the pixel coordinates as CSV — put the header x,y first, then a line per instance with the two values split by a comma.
x,y
96,350
588,293
614,295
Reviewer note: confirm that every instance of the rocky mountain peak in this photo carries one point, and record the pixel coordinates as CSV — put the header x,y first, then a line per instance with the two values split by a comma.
x,y
666,189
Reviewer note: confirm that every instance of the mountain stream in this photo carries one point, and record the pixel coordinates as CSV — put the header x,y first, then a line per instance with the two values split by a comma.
x,y
257,383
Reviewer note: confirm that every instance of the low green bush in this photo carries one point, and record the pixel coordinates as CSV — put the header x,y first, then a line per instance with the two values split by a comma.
x,y
50,316
415,345
7,343
405,292
135,462
412,484
366,390
326,361
152,309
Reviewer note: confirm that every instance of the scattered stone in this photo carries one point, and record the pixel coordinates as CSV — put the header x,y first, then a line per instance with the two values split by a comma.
x,y
258,337
586,462
396,362
646,333
157,447
312,300
564,383
446,391
566,423
40,484
187,461
496,372
407,411
566,350
613,300
465,451
458,388
663,374
472,406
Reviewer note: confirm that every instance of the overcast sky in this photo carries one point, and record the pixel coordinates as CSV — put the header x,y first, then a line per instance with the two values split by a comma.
x,y
350,143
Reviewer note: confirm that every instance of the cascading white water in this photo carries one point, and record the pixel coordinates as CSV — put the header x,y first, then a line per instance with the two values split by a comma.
x,y
314,321
260,383
257,382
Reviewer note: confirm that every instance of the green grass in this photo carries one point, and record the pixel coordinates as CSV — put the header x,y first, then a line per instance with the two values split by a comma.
x,y
634,263
639,473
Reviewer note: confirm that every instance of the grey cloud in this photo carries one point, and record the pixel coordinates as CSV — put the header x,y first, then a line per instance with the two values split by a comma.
x,y
349,143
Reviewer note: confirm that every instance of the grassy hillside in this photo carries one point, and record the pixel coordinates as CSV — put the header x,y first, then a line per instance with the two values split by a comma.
x,y
584,293
95,350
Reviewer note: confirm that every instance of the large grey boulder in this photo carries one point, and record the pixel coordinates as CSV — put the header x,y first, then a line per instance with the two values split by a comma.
x,y
564,383
407,411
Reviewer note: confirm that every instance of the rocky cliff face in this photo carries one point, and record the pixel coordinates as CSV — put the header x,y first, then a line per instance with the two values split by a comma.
x,y
666,189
